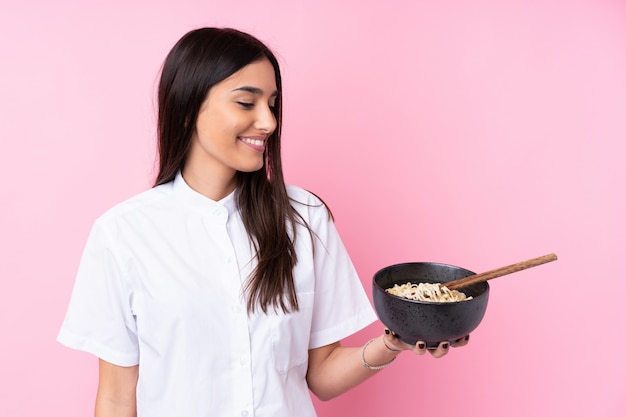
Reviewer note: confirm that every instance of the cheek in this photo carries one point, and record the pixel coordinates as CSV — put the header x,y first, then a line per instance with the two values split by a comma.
x,y
225,125
210,127
220,123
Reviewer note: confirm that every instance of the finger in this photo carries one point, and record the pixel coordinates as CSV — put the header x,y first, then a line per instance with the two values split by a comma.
x,y
420,348
441,350
461,342
392,342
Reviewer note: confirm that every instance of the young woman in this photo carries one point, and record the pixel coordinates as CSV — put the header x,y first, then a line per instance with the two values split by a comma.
x,y
221,291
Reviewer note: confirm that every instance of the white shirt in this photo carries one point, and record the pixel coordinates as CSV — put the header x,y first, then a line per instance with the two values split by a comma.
x,y
160,285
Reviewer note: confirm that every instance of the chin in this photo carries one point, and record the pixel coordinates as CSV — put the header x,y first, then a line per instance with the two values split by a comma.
x,y
251,168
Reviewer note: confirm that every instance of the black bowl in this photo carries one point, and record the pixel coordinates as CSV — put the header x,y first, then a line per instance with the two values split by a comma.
x,y
432,323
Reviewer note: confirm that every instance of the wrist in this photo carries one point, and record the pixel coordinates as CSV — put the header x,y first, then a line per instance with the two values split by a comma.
x,y
389,348
376,355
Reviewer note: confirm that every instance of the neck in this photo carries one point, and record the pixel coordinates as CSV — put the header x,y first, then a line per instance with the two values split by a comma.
x,y
214,186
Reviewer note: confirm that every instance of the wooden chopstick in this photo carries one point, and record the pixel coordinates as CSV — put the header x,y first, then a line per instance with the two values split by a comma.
x,y
495,273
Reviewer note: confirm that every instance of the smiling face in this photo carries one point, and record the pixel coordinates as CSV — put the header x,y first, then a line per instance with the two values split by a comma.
x,y
232,128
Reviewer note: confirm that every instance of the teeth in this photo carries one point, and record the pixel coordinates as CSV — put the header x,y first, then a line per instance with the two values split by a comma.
x,y
255,142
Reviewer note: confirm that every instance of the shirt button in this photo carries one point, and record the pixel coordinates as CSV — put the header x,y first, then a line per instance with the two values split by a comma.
x,y
244,413
243,361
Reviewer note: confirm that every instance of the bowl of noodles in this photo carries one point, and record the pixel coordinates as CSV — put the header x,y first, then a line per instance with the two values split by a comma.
x,y
411,301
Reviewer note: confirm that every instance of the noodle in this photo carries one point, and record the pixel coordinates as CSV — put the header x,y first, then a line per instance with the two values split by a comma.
x,y
427,292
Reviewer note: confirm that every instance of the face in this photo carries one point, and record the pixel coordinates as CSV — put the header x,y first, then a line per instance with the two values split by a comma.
x,y
233,125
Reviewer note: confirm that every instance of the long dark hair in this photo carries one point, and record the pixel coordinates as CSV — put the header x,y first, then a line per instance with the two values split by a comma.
x,y
198,61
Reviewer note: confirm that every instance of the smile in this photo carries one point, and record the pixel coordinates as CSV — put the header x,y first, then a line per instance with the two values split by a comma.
x,y
255,142
252,141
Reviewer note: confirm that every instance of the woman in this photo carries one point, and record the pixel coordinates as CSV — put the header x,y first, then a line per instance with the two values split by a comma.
x,y
221,291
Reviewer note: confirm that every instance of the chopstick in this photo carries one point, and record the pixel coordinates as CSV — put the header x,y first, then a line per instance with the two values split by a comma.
x,y
495,273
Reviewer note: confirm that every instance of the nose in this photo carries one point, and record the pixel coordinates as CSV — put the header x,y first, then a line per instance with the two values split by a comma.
x,y
265,121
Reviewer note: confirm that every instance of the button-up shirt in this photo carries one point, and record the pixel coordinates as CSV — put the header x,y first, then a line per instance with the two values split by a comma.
x,y
161,285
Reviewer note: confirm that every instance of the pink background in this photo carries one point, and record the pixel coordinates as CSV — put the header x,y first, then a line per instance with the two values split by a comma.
x,y
473,133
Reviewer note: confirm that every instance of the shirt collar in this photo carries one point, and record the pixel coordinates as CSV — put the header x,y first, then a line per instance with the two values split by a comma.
x,y
195,199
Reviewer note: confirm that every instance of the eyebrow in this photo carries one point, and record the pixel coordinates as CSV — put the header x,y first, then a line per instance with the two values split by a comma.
x,y
255,90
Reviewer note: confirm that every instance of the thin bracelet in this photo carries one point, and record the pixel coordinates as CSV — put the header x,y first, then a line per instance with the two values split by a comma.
x,y
387,346
367,365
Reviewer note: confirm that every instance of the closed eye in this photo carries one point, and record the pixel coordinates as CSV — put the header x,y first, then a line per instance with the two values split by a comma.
x,y
245,105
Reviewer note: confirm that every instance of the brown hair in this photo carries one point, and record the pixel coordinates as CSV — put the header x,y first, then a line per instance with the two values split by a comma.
x,y
198,61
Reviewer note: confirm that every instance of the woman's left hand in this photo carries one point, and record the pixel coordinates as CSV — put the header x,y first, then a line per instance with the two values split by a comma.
x,y
392,341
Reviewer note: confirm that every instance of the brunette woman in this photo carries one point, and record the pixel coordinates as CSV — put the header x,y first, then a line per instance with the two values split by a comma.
x,y
221,291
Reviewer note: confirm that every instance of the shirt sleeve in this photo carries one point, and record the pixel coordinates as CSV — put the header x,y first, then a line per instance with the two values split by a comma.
x,y
341,306
99,319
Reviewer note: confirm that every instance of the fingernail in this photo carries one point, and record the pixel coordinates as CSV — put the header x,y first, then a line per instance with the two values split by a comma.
x,y
421,345
445,345
387,331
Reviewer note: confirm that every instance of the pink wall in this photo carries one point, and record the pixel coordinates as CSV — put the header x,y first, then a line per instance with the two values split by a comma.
x,y
477,135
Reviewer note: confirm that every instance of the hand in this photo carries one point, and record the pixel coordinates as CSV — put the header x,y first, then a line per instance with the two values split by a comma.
x,y
392,341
